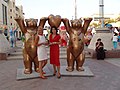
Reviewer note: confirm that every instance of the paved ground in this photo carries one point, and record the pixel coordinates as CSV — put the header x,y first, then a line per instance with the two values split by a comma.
x,y
107,77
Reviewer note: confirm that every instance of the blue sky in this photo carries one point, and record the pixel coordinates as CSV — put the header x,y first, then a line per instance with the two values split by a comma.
x,y
65,8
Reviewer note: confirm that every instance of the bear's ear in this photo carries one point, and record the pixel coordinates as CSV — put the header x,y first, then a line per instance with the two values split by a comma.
x,y
36,20
26,20
71,21
80,20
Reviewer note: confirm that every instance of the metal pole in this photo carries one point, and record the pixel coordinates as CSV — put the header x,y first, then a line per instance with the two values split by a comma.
x,y
75,10
101,12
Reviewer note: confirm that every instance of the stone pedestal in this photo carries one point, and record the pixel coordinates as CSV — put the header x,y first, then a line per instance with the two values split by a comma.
x,y
4,46
49,72
106,38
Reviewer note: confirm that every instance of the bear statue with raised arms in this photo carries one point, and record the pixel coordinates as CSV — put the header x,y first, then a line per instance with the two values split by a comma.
x,y
75,47
30,49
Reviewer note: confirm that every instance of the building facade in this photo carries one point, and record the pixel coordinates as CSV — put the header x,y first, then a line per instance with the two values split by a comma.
x,y
3,13
8,12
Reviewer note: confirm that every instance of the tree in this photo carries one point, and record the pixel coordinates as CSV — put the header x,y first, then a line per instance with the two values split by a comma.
x,y
118,18
109,21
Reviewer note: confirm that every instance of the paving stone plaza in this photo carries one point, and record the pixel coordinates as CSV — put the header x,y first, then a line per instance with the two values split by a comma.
x,y
106,75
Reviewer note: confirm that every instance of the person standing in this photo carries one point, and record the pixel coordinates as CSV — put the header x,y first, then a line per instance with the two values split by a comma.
x,y
100,53
119,39
63,39
6,33
54,41
40,42
12,37
14,32
114,40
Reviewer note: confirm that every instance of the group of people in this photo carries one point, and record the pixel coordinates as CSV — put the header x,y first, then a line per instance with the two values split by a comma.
x,y
100,51
54,42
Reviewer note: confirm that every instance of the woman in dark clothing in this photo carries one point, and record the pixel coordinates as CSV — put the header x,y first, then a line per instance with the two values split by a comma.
x,y
100,53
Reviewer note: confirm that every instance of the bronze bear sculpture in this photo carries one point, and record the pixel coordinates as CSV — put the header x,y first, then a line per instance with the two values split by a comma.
x,y
75,48
30,49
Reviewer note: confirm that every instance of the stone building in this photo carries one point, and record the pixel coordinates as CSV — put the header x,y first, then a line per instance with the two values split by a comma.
x,y
8,12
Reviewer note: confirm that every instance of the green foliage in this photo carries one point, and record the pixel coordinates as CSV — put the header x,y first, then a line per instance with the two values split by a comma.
x,y
118,18
110,21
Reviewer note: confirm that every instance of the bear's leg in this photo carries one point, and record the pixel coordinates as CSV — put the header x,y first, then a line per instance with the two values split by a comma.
x,y
27,63
79,62
36,64
70,61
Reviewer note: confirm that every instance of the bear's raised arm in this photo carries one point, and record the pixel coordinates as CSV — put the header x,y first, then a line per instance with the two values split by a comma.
x,y
20,22
86,24
66,23
43,21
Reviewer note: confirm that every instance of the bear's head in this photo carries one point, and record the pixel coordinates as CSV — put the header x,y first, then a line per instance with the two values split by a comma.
x,y
31,23
77,23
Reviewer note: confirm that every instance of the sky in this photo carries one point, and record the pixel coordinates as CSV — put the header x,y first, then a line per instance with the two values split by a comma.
x,y
66,8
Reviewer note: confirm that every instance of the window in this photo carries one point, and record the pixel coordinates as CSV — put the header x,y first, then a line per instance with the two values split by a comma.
x,y
16,15
10,10
10,17
13,4
4,12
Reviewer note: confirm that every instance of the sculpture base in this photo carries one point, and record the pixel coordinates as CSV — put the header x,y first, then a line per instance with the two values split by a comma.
x,y
105,35
22,76
106,38
49,72
86,73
